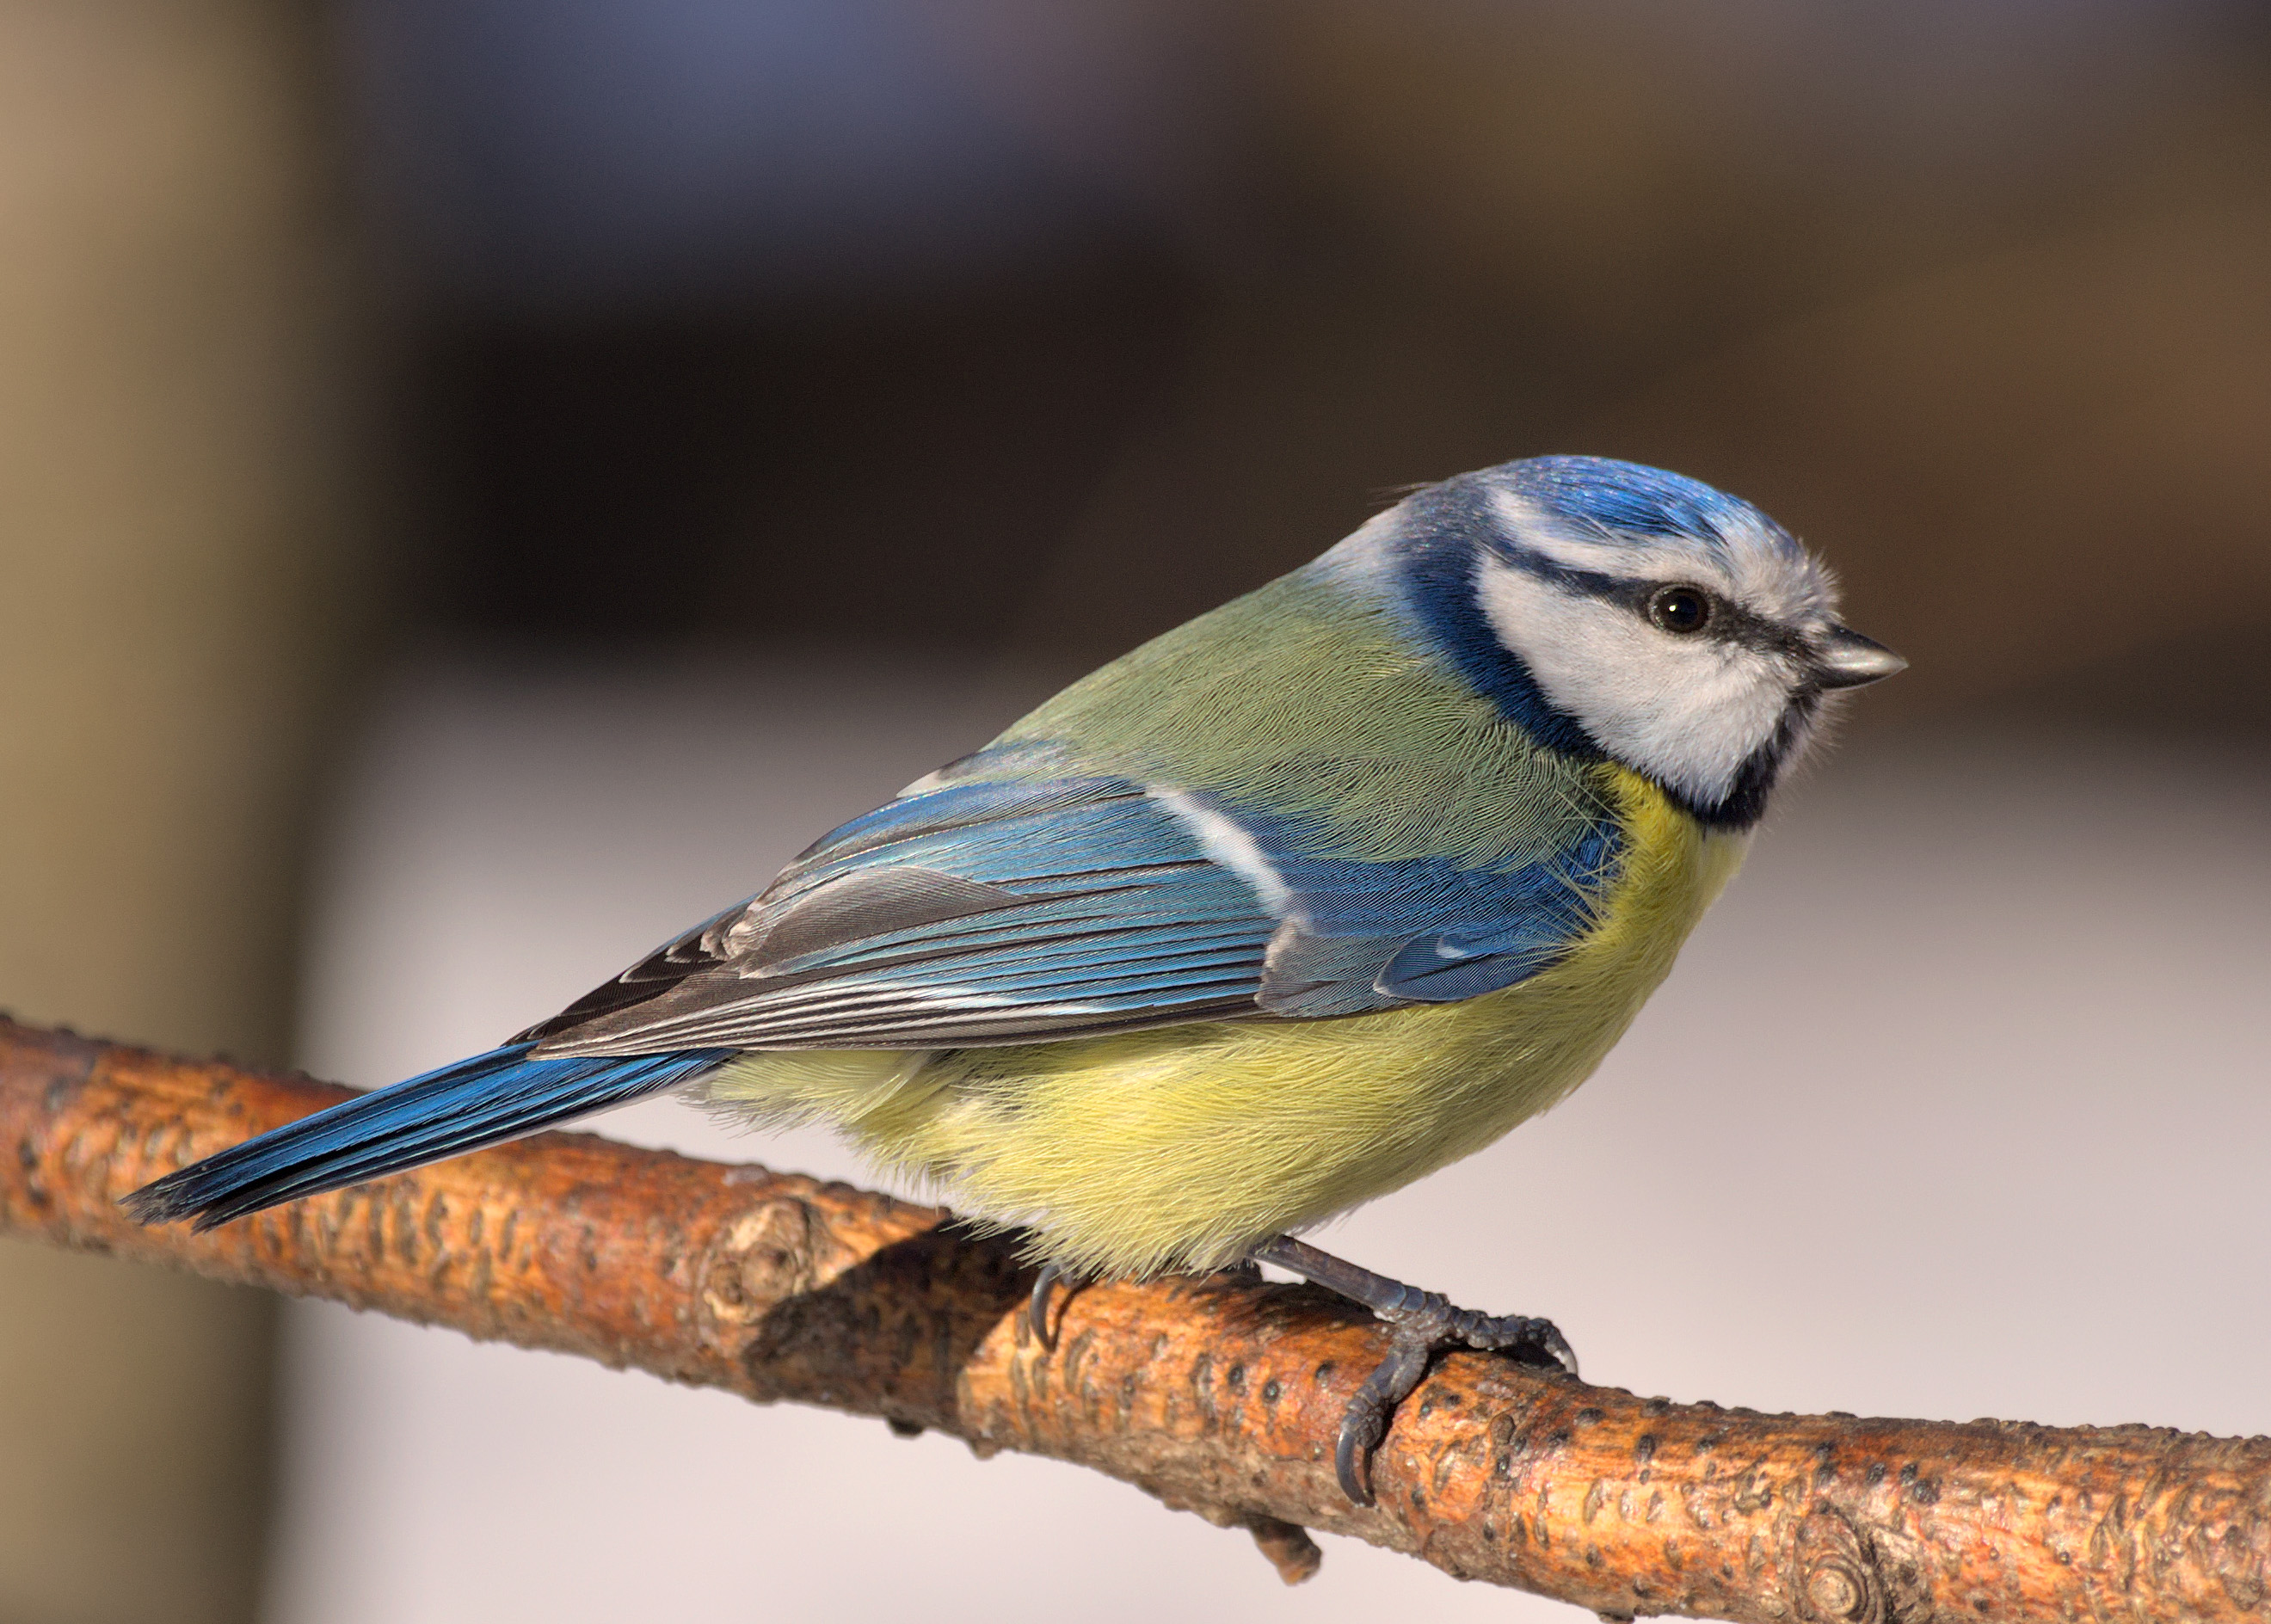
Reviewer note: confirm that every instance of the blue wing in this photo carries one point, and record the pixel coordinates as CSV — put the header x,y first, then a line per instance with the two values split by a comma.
x,y
992,912
980,913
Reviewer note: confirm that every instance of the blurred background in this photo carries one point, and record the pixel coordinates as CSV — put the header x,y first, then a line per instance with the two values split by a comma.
x,y
483,482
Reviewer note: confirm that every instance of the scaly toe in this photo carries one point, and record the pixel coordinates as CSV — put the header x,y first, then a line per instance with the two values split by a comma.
x,y
1365,1422
1530,1340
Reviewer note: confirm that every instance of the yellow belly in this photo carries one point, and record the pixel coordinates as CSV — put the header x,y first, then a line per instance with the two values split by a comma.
x,y
1180,1148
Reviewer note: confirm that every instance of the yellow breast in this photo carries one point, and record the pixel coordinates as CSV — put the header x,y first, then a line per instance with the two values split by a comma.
x,y
1180,1148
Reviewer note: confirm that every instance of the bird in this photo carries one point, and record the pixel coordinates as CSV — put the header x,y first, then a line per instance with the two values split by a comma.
x,y
1297,902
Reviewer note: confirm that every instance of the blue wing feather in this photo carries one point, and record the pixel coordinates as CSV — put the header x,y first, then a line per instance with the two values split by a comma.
x,y
987,911
1433,931
463,1107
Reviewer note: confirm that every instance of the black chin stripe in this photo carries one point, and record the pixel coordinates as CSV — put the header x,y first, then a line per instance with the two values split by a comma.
x,y
1746,800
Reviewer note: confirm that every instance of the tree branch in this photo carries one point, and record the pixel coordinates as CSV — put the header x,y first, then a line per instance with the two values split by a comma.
x,y
1219,1397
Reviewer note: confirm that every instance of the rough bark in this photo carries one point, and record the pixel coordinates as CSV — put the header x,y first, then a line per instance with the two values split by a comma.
x,y
1217,1397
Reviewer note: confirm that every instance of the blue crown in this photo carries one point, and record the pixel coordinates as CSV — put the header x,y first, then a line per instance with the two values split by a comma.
x,y
1602,493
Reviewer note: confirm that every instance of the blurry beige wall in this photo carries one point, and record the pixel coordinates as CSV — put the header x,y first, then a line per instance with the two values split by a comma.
x,y
173,562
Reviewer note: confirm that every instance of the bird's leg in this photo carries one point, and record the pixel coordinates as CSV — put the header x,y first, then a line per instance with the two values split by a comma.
x,y
1424,1324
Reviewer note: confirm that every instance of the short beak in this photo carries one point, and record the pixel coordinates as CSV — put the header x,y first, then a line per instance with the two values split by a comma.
x,y
1844,658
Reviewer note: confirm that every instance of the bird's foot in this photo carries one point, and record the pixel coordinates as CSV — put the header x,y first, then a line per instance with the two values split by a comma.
x,y
1423,1324
1419,1333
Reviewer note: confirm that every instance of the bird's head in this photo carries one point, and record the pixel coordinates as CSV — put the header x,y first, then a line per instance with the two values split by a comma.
x,y
1617,608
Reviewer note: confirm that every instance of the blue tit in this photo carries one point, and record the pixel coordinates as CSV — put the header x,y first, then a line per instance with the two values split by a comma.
x,y
1308,897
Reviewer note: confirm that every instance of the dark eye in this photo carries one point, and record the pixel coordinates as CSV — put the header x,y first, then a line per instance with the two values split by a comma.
x,y
1681,610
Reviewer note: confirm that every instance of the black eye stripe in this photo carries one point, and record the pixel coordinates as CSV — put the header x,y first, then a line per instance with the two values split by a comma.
x,y
1730,622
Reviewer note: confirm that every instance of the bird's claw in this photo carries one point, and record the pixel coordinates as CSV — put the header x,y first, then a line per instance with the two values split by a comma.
x,y
1419,1333
1365,1422
1036,1310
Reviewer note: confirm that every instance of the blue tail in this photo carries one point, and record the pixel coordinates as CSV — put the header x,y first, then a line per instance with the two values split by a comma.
x,y
482,1101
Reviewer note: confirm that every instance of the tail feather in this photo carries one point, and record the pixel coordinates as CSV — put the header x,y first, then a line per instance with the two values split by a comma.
x,y
473,1103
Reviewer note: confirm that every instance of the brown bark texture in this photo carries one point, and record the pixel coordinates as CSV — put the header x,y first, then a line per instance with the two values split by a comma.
x,y
1218,1397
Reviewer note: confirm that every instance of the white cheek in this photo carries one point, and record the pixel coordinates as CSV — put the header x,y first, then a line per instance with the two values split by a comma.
x,y
1686,712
